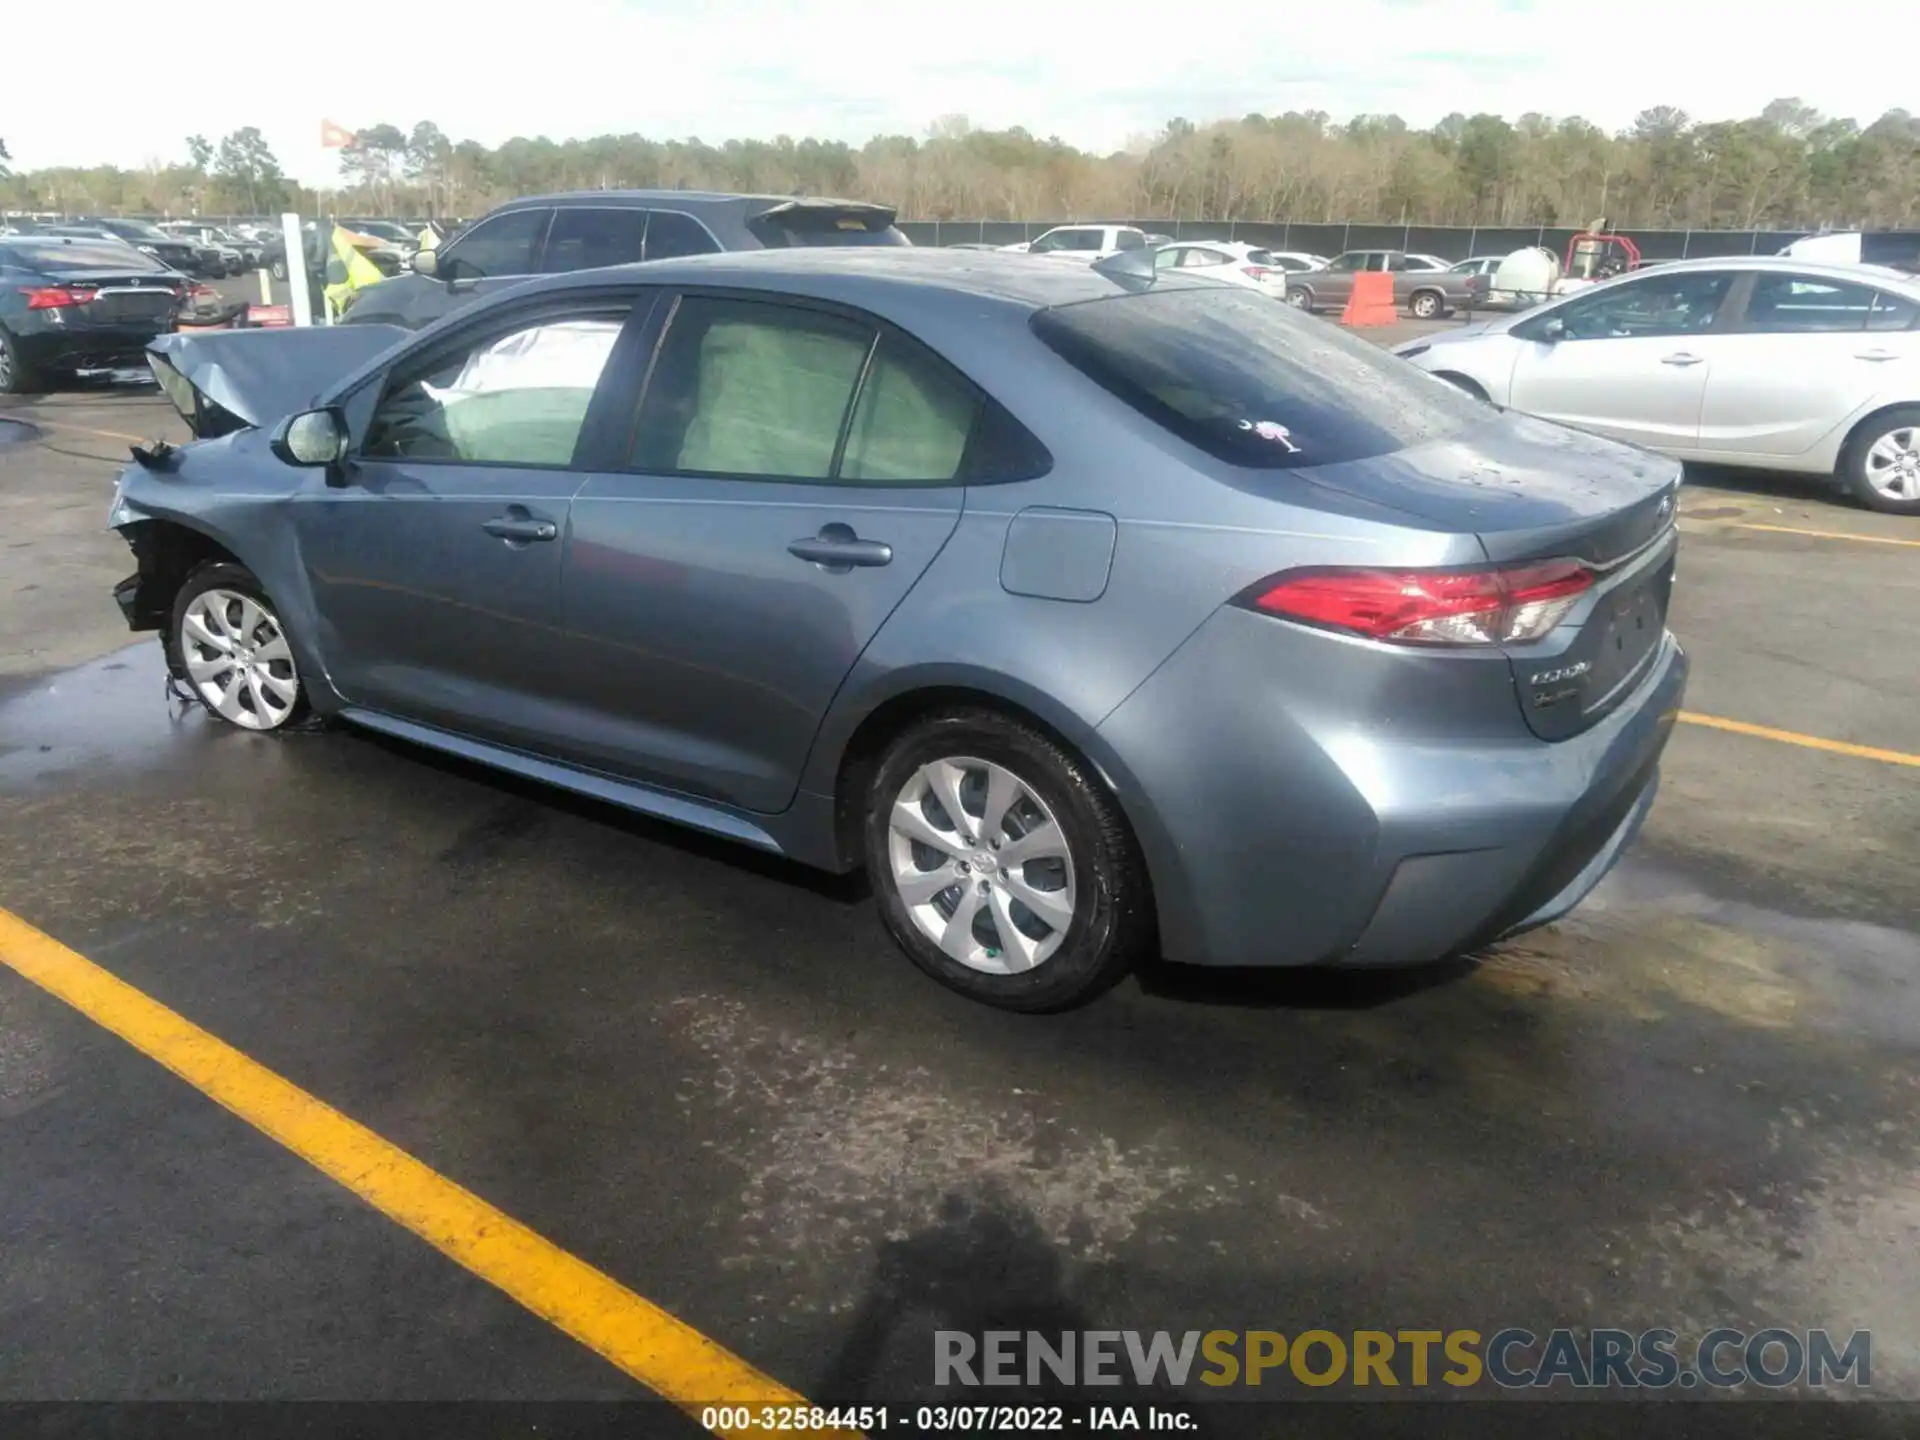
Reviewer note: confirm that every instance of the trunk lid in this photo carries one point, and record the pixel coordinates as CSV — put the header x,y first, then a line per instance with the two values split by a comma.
x,y
1528,490
227,380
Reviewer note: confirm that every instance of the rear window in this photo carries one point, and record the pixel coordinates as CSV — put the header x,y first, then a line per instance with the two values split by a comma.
x,y
55,257
1254,383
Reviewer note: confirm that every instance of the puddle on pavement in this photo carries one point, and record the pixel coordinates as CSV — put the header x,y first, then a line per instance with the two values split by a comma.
x,y
17,432
111,715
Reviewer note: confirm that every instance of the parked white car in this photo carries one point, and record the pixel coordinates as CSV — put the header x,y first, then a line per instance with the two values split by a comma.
x,y
1229,262
1084,242
1769,362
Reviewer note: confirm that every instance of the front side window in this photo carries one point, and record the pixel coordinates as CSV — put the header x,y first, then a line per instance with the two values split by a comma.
x,y
1130,240
1683,304
1797,305
514,399
1253,383
1348,264
503,245
586,239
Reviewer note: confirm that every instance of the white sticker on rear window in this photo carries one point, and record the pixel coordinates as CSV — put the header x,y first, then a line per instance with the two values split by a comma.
x,y
1274,431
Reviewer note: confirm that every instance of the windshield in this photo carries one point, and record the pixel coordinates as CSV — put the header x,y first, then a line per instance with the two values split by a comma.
x,y
137,230
1255,383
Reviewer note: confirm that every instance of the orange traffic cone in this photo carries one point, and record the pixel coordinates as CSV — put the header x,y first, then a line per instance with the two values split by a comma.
x,y
1371,300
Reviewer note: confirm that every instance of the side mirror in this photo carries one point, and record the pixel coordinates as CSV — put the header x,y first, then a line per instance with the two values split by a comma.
x,y
424,262
1553,330
311,439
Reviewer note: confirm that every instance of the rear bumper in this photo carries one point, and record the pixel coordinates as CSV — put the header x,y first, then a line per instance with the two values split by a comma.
x,y
93,347
1297,810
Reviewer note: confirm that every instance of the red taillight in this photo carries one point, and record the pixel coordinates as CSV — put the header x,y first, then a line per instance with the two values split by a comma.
x,y
55,297
1257,272
205,292
1433,607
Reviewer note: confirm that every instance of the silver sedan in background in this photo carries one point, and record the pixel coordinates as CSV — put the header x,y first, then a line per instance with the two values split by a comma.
x,y
1769,362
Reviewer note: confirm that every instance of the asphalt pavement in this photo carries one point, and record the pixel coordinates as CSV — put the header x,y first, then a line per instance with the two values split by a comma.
x,y
713,1078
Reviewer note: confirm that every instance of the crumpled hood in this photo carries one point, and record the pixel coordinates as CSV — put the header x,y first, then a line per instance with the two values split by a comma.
x,y
225,380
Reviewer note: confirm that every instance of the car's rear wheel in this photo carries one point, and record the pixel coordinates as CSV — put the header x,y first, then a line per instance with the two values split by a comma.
x,y
17,377
1882,468
278,268
226,643
1424,305
1002,866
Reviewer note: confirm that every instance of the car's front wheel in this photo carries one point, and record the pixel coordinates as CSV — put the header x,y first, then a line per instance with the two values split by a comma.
x,y
1300,298
278,268
226,643
1425,305
1882,466
1001,864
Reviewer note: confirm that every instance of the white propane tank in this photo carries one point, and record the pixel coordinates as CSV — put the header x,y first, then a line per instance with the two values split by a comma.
x,y
1524,278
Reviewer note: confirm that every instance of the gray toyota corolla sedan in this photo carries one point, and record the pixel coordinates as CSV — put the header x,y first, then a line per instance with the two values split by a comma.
x,y
1095,613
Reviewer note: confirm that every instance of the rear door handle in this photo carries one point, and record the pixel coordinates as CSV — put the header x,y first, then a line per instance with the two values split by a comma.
x,y
839,549
1876,355
1681,358
520,527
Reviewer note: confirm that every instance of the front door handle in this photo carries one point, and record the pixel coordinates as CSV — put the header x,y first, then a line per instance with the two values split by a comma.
x,y
838,549
1876,355
520,527
1681,358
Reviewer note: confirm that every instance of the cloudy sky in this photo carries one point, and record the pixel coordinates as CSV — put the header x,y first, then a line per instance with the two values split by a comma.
x,y
1094,74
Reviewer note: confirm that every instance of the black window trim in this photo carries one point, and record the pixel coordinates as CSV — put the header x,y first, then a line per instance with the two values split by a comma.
x,y
881,328
640,303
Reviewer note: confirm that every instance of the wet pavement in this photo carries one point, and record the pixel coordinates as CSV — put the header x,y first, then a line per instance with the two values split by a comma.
x,y
1691,1104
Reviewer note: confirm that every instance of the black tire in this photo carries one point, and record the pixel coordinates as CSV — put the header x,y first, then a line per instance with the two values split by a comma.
x,y
1854,464
17,377
278,267
1112,927
225,575
1300,298
1426,305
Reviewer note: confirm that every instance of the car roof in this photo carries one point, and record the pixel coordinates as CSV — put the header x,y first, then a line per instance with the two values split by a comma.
x,y
857,275
1825,269
675,199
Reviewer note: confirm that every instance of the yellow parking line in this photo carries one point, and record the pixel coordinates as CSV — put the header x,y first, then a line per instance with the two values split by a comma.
x,y
89,430
1794,737
1827,534
661,1352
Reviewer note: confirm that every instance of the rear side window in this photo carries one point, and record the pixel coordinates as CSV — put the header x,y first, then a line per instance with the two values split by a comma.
x,y
586,239
749,389
1254,383
502,245
754,390
671,235
1130,240
1892,312
1798,305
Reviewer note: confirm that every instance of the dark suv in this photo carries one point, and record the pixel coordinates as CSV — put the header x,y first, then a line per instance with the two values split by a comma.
x,y
552,234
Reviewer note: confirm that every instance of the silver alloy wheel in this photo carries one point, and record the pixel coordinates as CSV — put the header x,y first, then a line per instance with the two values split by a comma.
x,y
6,368
1893,464
238,660
1425,306
981,865
1299,299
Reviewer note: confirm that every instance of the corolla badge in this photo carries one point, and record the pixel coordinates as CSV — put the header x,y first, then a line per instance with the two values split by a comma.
x,y
1568,672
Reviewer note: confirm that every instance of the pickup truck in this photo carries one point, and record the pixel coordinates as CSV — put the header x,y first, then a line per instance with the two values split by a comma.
x,y
1084,242
1424,292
